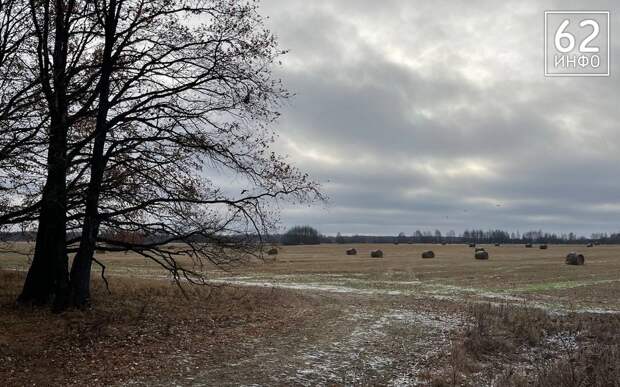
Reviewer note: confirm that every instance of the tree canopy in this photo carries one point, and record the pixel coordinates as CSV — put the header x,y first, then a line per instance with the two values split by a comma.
x,y
301,235
117,118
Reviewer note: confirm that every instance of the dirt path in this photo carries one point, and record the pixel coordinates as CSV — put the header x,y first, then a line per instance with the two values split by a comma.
x,y
394,333
344,340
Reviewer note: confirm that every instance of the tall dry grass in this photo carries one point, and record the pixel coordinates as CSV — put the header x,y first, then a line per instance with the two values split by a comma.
x,y
558,350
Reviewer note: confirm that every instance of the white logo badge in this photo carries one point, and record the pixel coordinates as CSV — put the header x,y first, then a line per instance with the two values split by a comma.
x,y
577,43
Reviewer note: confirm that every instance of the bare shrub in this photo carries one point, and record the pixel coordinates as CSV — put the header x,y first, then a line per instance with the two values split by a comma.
x,y
457,368
483,337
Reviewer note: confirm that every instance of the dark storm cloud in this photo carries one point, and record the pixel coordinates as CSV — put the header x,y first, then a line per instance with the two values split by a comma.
x,y
420,114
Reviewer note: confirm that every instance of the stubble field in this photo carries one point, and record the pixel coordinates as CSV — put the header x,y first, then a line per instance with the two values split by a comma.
x,y
316,316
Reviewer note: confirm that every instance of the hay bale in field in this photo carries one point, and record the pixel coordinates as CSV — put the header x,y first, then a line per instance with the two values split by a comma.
x,y
590,245
544,247
575,259
351,252
376,254
481,254
529,246
272,251
472,245
428,254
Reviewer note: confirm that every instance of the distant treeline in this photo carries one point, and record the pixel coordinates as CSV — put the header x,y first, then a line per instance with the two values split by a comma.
x,y
477,236
307,235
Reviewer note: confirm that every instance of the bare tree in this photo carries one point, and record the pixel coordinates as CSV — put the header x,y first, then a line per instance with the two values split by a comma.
x,y
150,103
183,85
64,33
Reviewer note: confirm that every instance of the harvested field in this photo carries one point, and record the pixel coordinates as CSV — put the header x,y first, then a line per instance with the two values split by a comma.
x,y
319,317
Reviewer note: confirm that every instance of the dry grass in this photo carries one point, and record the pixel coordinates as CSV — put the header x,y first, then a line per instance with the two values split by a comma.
x,y
144,331
569,350
147,333
502,326
512,269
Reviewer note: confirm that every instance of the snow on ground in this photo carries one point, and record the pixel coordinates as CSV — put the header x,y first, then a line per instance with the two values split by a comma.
x,y
419,289
355,358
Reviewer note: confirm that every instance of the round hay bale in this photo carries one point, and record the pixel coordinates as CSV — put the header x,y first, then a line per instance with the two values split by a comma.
x,y
272,251
351,252
481,254
472,245
575,259
376,254
428,254
529,246
544,247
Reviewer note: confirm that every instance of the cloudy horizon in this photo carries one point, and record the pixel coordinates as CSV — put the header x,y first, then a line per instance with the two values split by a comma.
x,y
437,115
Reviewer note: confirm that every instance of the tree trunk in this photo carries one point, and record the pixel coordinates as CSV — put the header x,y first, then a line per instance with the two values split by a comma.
x,y
47,277
39,284
81,268
82,263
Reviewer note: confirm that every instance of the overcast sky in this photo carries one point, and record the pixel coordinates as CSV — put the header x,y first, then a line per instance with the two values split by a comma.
x,y
437,114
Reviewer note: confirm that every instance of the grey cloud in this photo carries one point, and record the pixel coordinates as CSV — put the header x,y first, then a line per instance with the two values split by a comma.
x,y
423,114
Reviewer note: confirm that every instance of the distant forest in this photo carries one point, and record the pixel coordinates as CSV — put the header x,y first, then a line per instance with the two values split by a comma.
x,y
308,235
478,236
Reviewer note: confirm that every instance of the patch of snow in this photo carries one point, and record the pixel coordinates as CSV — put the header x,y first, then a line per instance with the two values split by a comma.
x,y
437,291
563,340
